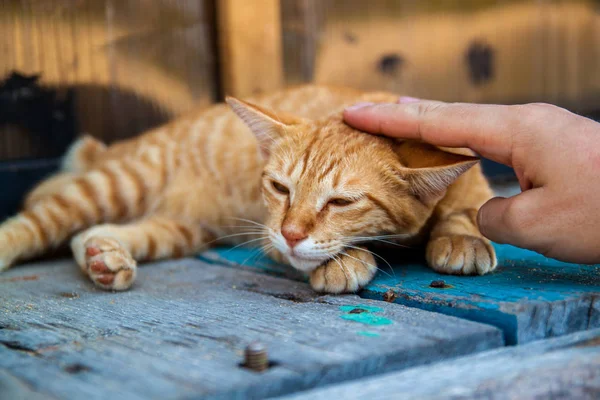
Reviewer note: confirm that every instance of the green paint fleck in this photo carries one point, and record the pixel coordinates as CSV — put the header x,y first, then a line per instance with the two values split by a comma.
x,y
367,333
363,314
368,319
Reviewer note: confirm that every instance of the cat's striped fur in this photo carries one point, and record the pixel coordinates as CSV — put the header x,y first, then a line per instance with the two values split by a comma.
x,y
327,189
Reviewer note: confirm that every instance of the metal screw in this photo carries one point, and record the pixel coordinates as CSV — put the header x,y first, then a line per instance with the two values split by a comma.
x,y
256,357
438,284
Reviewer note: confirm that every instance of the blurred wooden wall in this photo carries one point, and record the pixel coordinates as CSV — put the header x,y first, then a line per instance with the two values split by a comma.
x,y
132,63
455,50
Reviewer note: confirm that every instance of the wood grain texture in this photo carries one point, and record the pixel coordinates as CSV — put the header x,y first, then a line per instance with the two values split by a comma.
x,y
477,51
180,333
564,368
249,46
132,64
529,296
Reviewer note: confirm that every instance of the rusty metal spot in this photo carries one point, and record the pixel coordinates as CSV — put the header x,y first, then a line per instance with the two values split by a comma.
x,y
480,60
440,285
357,311
390,296
390,64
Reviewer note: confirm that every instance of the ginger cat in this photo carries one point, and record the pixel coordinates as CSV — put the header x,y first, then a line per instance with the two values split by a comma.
x,y
310,187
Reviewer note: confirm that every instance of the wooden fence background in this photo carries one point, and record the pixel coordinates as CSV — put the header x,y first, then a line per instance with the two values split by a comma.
x,y
134,64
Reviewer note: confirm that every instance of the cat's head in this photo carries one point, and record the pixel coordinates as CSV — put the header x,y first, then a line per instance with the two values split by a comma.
x,y
329,187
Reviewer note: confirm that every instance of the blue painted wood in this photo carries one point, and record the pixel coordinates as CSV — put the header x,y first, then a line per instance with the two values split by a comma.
x,y
560,368
529,296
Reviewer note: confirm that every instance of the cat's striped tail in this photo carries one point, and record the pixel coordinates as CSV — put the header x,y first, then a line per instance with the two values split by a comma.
x,y
117,191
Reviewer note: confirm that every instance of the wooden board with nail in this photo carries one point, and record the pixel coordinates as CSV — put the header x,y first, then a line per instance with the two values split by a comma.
x,y
181,332
529,296
566,368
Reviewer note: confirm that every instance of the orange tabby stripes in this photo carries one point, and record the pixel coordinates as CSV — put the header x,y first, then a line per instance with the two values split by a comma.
x,y
178,188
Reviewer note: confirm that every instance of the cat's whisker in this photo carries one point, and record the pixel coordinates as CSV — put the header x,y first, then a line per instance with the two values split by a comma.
x,y
250,222
259,252
365,263
246,242
382,241
374,255
240,227
382,238
234,235
341,264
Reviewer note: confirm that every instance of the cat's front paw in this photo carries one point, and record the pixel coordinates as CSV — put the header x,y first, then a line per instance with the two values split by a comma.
x,y
461,255
108,264
347,273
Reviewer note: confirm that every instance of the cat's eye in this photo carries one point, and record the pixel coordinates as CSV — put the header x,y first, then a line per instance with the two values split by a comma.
x,y
340,202
280,188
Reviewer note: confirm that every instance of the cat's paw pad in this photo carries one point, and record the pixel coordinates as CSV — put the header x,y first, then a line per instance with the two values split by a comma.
x,y
461,255
345,274
108,264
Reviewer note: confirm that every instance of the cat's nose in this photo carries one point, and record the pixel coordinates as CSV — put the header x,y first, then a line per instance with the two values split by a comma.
x,y
293,235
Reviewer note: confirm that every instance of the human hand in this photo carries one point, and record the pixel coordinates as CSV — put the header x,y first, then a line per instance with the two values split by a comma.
x,y
555,154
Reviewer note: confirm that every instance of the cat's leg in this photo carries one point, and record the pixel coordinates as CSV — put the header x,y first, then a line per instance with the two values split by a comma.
x,y
456,246
348,272
108,253
48,187
118,190
79,158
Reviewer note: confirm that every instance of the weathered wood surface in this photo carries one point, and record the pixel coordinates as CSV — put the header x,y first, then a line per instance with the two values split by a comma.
x,y
559,368
181,330
529,296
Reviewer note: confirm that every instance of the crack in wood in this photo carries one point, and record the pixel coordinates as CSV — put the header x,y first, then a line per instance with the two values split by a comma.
x,y
14,345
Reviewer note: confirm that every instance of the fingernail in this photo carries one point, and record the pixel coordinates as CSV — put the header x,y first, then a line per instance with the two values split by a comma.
x,y
359,106
407,99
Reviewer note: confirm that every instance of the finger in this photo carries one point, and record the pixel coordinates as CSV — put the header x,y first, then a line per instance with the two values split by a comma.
x,y
516,220
486,129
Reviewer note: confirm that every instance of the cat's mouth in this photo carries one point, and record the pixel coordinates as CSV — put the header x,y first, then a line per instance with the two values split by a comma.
x,y
306,263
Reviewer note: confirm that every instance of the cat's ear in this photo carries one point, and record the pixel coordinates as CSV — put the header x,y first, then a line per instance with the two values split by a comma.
x,y
430,170
266,125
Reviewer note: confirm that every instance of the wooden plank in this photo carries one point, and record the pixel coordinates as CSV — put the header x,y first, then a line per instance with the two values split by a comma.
x,y
181,330
249,46
565,368
478,51
529,296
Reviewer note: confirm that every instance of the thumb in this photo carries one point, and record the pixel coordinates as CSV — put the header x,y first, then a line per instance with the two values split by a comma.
x,y
515,220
